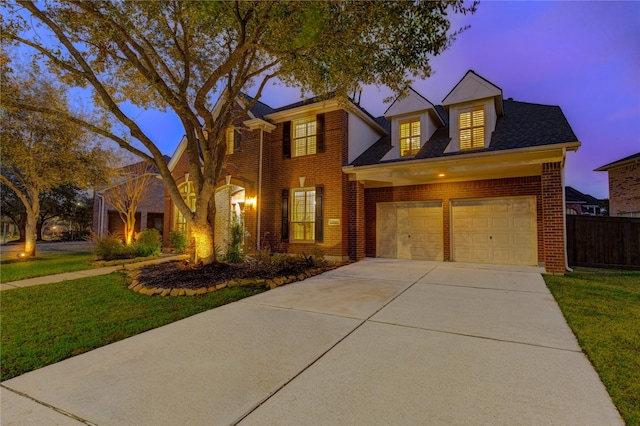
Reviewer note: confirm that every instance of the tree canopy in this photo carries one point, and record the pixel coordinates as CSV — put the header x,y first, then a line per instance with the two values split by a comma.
x,y
190,57
40,152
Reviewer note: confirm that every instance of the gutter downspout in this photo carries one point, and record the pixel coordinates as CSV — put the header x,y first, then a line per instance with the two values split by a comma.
x,y
259,199
564,215
101,216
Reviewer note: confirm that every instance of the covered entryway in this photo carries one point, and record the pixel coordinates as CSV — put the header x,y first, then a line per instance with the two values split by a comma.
x,y
410,230
495,230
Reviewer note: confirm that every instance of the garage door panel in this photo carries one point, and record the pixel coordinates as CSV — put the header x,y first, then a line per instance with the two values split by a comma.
x,y
413,231
494,231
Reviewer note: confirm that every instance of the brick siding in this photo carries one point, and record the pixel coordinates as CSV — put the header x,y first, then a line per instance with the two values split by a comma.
x,y
624,189
508,187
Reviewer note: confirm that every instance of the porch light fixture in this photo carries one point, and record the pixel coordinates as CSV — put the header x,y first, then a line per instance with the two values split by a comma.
x,y
440,174
250,201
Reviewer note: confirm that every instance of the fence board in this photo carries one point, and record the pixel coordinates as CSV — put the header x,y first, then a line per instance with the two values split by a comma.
x,y
604,242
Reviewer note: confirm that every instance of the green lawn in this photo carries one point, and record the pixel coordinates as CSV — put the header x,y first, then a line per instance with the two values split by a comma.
x,y
602,308
48,264
45,324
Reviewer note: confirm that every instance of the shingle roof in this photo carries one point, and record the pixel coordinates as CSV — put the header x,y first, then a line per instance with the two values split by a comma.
x,y
618,162
572,195
260,109
523,125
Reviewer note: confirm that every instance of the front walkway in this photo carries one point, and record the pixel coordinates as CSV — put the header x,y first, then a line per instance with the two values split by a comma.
x,y
375,342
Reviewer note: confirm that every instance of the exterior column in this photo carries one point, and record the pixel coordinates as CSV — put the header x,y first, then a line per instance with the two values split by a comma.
x,y
357,237
553,218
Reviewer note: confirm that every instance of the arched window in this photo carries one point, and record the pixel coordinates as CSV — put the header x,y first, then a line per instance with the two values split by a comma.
x,y
189,196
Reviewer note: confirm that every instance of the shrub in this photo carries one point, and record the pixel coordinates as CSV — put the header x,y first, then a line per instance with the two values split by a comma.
x,y
111,247
179,240
147,243
235,253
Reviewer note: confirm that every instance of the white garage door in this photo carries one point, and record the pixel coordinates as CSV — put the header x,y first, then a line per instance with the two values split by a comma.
x,y
410,230
495,231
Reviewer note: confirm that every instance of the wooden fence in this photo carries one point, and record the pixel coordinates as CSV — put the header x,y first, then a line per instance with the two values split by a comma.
x,y
603,242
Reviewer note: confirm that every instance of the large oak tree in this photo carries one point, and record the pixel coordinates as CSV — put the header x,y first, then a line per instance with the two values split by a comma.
x,y
190,56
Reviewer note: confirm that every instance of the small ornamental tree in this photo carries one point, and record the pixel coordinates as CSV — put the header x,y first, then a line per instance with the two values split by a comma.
x,y
190,56
126,191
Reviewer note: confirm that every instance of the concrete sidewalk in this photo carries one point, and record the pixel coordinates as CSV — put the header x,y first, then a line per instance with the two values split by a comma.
x,y
49,279
375,342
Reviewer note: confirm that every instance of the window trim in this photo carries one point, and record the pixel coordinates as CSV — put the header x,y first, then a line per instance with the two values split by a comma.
x,y
475,142
411,151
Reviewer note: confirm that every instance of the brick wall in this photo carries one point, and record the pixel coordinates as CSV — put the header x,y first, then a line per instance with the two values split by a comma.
x,y
152,202
509,187
624,189
318,169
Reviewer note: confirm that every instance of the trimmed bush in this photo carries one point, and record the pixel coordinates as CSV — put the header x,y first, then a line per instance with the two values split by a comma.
x,y
111,247
179,240
147,243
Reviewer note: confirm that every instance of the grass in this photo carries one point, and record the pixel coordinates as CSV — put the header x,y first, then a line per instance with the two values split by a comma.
x,y
48,264
602,308
45,324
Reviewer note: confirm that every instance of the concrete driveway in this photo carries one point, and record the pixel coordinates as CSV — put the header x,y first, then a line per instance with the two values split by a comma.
x,y
376,342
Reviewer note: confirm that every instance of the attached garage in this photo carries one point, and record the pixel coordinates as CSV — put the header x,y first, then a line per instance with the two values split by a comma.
x,y
501,231
410,230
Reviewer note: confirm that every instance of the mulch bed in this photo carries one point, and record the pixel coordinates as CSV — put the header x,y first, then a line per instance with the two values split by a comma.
x,y
177,274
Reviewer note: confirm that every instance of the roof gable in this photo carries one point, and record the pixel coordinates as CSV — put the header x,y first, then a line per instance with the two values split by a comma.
x,y
412,103
471,87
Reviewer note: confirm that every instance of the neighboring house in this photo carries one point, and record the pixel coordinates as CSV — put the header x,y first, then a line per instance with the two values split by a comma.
x,y
476,179
624,186
578,203
149,214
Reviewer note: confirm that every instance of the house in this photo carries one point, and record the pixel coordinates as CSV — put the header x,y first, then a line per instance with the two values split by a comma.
x,y
624,186
150,210
578,203
476,179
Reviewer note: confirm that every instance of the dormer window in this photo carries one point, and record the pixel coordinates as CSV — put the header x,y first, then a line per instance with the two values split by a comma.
x,y
471,128
409,137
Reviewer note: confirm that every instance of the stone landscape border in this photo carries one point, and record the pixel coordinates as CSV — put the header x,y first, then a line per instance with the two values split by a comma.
x,y
267,283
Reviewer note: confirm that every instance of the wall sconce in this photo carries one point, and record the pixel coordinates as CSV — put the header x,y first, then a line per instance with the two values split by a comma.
x,y
250,201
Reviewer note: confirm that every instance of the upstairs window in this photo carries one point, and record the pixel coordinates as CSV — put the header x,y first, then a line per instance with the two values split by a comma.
x,y
471,128
304,137
409,137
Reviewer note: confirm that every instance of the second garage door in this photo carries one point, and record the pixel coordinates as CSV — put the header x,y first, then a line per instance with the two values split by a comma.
x,y
410,230
500,231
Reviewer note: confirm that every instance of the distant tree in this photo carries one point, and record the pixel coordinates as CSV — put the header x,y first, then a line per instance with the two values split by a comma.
x,y
186,55
40,152
63,202
126,191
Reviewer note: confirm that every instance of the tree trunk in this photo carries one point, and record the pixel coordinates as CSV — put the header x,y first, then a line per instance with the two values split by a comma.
x,y
30,235
202,233
39,227
20,224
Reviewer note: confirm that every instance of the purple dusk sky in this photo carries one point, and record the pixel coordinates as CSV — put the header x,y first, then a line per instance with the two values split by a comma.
x,y
582,56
